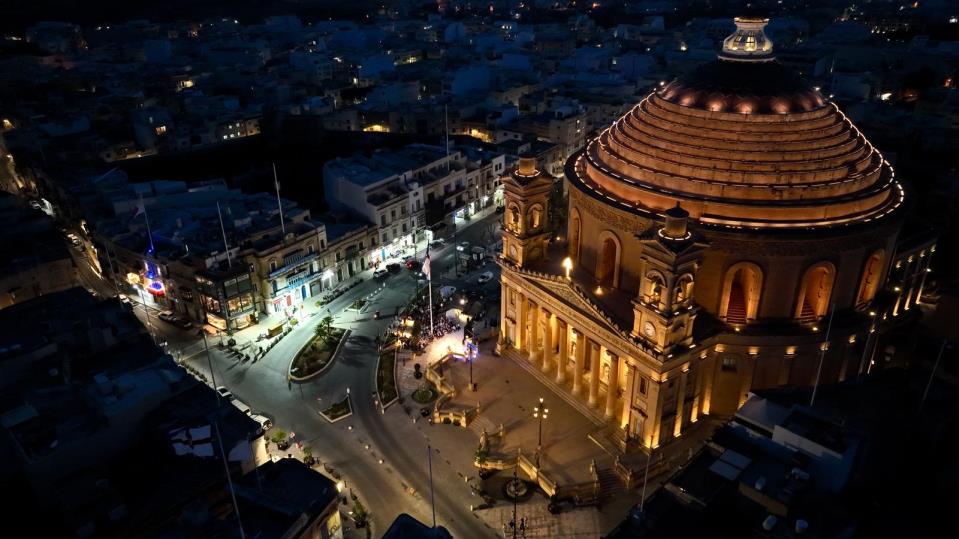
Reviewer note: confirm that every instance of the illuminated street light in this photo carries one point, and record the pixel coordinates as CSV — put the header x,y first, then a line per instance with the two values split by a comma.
x,y
540,412
567,265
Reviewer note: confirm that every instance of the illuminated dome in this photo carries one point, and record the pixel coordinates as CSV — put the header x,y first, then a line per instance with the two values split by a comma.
x,y
740,142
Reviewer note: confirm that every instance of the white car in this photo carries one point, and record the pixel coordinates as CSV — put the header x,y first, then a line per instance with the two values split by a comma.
x,y
265,422
379,273
485,277
224,392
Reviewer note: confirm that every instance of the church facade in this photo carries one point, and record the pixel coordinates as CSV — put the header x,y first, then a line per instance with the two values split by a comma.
x,y
733,231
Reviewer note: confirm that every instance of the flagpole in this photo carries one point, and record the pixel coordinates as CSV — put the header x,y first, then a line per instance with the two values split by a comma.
x,y
446,125
279,203
822,356
146,218
226,245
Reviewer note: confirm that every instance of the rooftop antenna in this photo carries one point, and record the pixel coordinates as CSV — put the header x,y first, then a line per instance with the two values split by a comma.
x,y
279,203
446,124
229,479
226,246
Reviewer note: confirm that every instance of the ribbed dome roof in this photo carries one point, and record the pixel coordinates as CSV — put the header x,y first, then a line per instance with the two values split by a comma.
x,y
740,144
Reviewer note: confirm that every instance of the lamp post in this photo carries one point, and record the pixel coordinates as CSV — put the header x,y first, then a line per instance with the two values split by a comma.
x,y
540,412
567,265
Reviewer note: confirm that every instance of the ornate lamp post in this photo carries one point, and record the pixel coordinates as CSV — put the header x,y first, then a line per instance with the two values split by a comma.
x,y
540,412
567,265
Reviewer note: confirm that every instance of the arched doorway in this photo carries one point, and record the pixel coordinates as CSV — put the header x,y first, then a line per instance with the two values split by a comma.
x,y
741,293
815,292
574,235
607,265
869,283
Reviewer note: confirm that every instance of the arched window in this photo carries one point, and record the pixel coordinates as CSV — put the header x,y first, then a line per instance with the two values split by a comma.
x,y
534,218
742,289
513,218
607,263
869,282
815,290
575,227
683,290
655,284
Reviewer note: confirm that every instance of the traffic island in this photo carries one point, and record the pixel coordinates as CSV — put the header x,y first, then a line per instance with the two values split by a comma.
x,y
386,377
318,353
338,410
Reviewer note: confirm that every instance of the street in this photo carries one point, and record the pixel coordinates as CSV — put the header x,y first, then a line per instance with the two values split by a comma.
x,y
355,446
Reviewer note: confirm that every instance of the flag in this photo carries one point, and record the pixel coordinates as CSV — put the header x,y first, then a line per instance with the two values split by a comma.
x,y
426,264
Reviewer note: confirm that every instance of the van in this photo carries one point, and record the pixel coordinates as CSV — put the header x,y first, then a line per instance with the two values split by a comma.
x,y
241,406
265,422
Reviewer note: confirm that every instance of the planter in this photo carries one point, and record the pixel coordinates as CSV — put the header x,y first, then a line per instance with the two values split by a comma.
x,y
338,411
329,362
386,389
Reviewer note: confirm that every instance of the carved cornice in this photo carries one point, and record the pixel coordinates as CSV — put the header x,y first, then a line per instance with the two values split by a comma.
x,y
616,219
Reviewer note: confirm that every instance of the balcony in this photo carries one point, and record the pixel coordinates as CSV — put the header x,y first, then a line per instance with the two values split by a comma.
x,y
291,262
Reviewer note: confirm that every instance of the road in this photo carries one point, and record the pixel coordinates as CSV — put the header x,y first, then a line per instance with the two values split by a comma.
x,y
356,446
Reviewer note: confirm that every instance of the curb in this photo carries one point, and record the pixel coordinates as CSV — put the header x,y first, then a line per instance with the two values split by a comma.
x,y
349,402
379,397
336,351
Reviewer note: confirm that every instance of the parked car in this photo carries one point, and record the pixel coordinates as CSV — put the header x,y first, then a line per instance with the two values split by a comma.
x,y
166,316
265,422
485,277
413,265
224,392
241,406
379,273
393,267
438,242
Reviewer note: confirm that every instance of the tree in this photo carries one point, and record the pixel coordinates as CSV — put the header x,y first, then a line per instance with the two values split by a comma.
x,y
325,329
307,455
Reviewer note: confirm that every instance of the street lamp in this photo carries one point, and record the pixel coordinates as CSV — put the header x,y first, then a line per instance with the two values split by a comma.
x,y
567,265
540,412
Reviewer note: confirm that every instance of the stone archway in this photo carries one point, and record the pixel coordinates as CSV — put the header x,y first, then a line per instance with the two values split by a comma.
x,y
607,263
742,290
869,282
815,292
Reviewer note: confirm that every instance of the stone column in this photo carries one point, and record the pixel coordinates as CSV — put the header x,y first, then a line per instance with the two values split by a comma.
x,y
580,362
549,333
503,311
629,394
563,357
534,332
522,342
654,414
680,403
612,386
594,354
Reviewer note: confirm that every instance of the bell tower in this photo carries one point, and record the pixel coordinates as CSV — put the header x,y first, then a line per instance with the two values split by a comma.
x,y
665,308
526,197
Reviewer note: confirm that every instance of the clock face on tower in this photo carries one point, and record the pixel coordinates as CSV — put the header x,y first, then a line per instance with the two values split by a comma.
x,y
649,329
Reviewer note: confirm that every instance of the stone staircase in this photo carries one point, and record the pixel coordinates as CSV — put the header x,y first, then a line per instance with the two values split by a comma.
x,y
610,484
561,392
736,310
807,316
